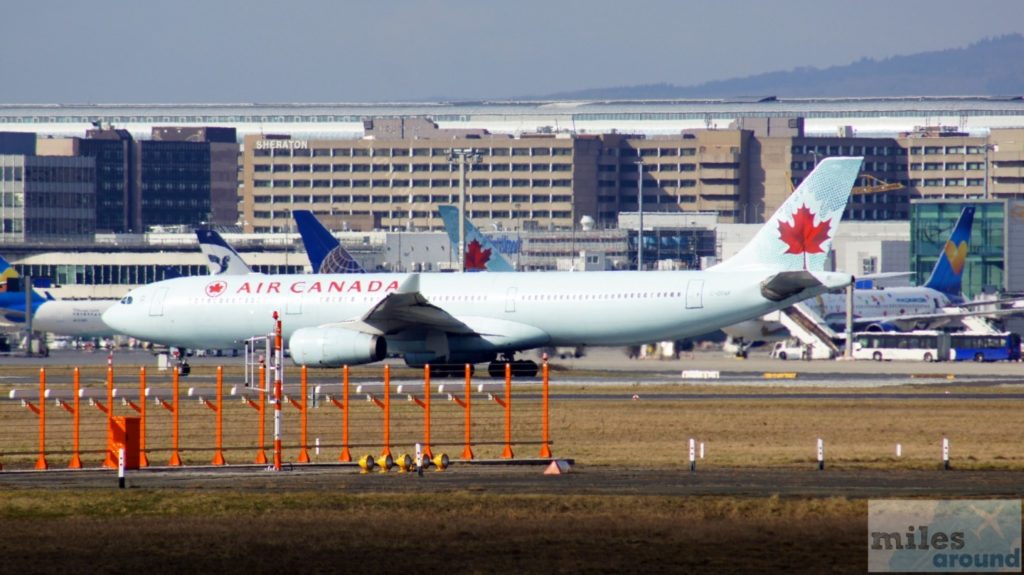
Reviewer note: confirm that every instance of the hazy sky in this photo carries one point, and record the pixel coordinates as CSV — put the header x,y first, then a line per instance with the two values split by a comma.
x,y
375,50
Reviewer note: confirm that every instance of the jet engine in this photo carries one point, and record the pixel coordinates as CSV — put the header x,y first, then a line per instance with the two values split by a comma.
x,y
335,346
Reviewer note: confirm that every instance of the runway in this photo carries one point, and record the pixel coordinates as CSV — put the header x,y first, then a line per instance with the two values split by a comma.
x,y
596,377
582,480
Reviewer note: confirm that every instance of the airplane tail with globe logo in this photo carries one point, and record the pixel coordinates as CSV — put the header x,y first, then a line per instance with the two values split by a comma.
x,y
799,234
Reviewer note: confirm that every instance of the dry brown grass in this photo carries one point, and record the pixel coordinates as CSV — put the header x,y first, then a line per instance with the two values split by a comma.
x,y
174,531
251,529
983,434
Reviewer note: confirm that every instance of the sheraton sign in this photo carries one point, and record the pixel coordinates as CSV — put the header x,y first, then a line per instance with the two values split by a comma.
x,y
282,144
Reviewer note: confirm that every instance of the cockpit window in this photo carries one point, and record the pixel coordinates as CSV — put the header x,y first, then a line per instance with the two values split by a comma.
x,y
126,300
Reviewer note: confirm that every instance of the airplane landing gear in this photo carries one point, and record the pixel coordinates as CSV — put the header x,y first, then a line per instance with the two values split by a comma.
x,y
183,367
742,348
520,368
450,369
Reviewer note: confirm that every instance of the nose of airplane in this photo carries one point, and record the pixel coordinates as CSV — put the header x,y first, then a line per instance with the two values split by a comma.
x,y
116,316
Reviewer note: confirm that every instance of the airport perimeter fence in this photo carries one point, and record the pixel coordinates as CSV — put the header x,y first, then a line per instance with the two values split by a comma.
x,y
43,426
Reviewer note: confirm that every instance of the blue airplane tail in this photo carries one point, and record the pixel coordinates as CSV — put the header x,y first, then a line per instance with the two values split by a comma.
x,y
947,276
324,250
481,255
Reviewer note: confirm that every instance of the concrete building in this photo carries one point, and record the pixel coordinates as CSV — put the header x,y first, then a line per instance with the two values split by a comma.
x,y
47,199
928,162
401,171
397,182
181,176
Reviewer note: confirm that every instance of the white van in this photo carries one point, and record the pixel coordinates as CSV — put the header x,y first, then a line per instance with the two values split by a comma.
x,y
796,350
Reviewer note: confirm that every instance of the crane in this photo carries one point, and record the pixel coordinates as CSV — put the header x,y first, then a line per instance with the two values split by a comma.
x,y
875,185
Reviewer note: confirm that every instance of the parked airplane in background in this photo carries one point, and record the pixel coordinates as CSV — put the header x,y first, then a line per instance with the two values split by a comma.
x,y
323,249
221,258
480,253
493,262
936,304
77,318
83,317
452,319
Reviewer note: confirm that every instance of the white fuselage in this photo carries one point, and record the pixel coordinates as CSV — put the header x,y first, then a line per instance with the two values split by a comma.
x,y
76,318
877,304
502,311
880,303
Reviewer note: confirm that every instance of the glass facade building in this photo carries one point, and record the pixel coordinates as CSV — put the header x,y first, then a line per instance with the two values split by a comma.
x,y
45,199
931,222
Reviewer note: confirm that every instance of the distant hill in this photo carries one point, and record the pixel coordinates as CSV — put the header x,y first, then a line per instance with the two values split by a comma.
x,y
991,67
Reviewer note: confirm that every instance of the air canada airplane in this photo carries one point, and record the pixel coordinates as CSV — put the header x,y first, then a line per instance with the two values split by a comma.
x,y
937,304
481,255
451,319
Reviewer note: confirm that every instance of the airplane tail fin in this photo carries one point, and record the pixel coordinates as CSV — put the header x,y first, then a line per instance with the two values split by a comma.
x,y
480,253
799,234
15,297
324,250
947,274
7,272
221,258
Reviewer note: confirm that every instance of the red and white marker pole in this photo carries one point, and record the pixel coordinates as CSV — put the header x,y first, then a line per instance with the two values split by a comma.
x,y
278,390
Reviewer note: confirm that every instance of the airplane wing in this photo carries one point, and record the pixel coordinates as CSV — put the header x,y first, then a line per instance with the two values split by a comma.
x,y
14,315
1012,300
787,284
404,308
407,309
885,276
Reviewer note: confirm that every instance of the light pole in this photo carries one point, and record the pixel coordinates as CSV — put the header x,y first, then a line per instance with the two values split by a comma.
x,y
640,212
464,156
519,233
994,148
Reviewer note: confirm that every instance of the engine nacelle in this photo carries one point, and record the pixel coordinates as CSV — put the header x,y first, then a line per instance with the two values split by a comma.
x,y
335,346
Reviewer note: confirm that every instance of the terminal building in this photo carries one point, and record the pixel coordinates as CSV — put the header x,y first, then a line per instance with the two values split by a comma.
x,y
401,170
376,174
869,117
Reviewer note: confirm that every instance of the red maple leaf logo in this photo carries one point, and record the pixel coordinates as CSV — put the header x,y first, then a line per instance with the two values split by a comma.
x,y
215,288
802,236
476,259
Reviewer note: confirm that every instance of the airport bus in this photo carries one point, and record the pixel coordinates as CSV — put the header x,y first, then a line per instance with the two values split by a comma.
x,y
921,345
984,347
